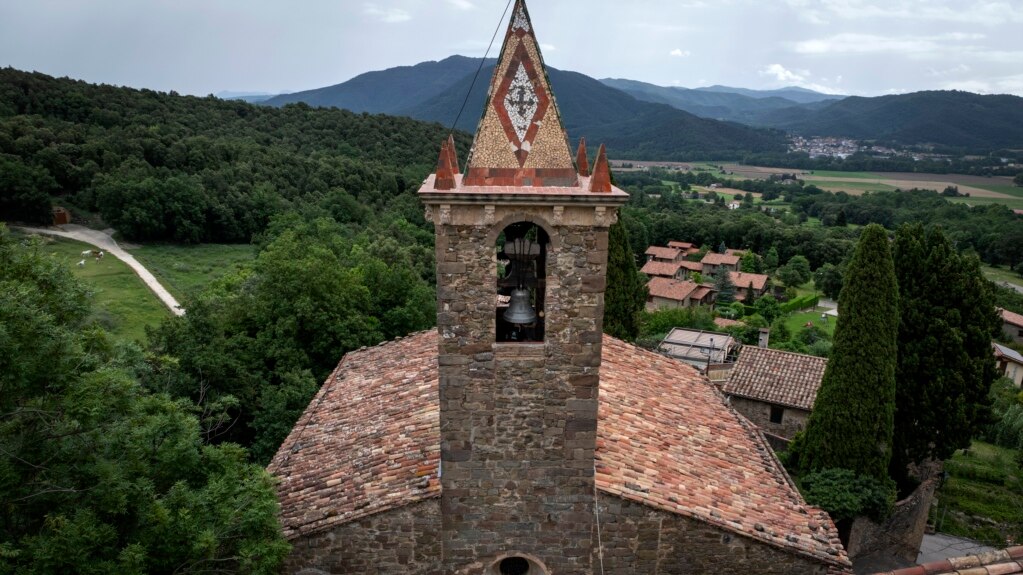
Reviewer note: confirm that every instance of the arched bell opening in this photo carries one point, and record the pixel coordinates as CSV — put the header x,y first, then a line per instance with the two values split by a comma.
x,y
521,282
517,564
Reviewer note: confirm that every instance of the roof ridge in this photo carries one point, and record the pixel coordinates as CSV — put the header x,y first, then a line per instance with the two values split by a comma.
x,y
780,351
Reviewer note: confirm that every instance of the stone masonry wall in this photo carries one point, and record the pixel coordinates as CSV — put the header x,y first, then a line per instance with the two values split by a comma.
x,y
518,420
405,541
792,421
639,540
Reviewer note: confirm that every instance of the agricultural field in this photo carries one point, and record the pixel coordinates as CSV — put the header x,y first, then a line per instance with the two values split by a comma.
x,y
1002,275
185,269
121,302
982,496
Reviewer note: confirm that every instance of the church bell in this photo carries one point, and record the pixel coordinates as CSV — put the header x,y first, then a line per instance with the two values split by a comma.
x,y
519,311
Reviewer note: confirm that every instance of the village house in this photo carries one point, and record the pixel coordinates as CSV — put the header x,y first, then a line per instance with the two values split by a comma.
x,y
712,261
659,269
746,284
1012,325
663,254
516,439
666,293
1010,363
775,389
688,248
700,349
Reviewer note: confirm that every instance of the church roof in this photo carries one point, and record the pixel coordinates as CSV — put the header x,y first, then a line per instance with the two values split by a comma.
x,y
370,442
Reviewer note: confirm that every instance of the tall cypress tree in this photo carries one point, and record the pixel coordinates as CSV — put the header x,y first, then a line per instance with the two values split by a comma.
x,y
626,292
851,423
945,365
725,286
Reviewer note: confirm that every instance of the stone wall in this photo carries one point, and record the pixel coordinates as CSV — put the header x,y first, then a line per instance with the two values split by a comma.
x,y
518,420
639,540
405,541
793,420
895,542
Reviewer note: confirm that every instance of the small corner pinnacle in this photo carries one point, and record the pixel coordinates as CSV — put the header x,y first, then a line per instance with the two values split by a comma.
x,y
600,183
580,159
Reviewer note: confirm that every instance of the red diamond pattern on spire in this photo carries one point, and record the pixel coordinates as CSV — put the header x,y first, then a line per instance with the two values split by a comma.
x,y
520,101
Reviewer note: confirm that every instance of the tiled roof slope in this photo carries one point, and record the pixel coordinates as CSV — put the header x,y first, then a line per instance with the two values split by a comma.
x,y
668,288
1007,353
778,377
716,259
656,268
1004,562
743,280
1011,317
663,252
369,442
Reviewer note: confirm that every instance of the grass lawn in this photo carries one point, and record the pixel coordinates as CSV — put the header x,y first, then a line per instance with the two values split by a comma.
x,y
999,275
185,269
1013,203
1009,190
121,302
824,174
982,499
796,321
852,187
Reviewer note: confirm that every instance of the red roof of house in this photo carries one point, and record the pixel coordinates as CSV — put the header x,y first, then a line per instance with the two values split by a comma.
x,y
701,292
681,245
1011,317
716,259
777,377
691,266
370,441
656,268
742,280
1004,562
670,289
662,252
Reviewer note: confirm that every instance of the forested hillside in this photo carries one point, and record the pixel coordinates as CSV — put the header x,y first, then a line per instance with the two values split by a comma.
x,y
947,118
161,166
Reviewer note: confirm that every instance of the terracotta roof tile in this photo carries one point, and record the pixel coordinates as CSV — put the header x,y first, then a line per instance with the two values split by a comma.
x,y
664,269
716,259
671,289
369,442
725,322
1007,353
1011,317
681,245
743,279
691,266
662,252
1003,562
777,377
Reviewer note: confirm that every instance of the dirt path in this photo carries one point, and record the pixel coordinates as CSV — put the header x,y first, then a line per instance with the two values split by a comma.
x,y
103,241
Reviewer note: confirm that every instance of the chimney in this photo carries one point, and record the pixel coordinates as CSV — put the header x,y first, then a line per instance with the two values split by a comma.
x,y
765,337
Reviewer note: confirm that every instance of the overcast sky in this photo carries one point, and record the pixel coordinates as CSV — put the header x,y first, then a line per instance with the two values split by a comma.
x,y
862,47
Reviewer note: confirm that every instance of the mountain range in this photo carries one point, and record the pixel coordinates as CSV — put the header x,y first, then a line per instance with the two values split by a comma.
x,y
645,121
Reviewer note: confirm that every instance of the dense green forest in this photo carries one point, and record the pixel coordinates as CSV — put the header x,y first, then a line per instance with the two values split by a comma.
x,y
166,167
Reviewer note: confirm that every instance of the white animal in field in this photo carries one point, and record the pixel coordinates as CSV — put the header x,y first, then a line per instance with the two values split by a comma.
x,y
81,263
99,254
86,253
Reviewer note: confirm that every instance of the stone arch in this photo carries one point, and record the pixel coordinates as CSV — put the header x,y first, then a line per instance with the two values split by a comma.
x,y
535,565
521,285
549,228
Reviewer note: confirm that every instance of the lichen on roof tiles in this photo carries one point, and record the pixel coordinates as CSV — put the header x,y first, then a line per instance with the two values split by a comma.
x,y
776,377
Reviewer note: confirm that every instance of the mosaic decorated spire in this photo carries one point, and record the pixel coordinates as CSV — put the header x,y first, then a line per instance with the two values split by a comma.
x,y
520,140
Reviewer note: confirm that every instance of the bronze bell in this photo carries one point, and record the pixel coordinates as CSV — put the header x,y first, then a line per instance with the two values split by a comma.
x,y
519,311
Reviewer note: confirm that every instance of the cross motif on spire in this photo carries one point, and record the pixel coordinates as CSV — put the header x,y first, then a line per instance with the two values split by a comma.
x,y
524,102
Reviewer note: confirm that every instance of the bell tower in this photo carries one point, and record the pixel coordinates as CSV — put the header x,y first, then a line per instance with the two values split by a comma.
x,y
521,245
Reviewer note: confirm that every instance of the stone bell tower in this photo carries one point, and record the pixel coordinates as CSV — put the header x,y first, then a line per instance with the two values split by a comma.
x,y
521,240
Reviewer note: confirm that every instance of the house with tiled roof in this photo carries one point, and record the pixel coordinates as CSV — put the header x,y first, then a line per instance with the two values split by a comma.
x,y
775,389
748,283
656,268
1012,325
666,293
686,247
663,254
516,438
713,261
1009,362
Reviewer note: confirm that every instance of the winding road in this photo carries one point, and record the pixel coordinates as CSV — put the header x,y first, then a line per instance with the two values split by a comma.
x,y
103,241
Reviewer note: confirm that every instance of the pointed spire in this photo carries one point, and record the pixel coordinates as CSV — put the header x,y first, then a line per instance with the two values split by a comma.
x,y
445,168
520,140
601,181
453,151
580,159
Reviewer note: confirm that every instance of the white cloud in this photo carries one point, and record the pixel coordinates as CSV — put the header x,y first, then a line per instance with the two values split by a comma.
x,y
984,12
548,47
388,15
1000,85
462,4
852,43
801,78
678,53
